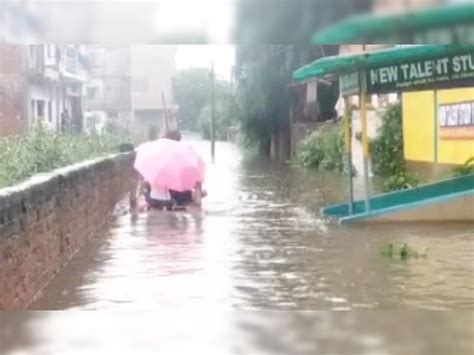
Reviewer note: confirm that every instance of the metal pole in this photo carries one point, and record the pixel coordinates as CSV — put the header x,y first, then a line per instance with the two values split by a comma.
x,y
436,123
365,139
213,133
348,139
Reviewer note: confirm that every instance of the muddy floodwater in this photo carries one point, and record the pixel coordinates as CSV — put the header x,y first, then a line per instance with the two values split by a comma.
x,y
258,271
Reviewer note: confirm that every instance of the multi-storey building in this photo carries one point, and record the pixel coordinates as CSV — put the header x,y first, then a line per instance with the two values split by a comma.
x,y
42,83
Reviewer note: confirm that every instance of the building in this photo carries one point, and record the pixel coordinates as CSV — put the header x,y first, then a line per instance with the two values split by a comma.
x,y
153,71
438,128
130,86
108,92
44,83
13,102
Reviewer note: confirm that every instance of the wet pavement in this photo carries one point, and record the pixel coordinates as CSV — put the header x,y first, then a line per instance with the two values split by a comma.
x,y
217,277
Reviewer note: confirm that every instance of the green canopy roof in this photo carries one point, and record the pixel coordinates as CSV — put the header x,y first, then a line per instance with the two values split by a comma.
x,y
343,64
367,28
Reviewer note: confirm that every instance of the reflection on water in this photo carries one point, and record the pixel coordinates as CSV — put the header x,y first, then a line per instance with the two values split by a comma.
x,y
260,244
230,332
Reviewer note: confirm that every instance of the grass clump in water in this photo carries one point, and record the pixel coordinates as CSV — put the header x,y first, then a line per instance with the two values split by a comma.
x,y
404,252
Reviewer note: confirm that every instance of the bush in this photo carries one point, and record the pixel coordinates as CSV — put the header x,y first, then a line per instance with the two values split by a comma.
x,y
386,152
323,150
41,151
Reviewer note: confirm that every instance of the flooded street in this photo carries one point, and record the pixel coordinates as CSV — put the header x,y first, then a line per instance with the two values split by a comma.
x,y
260,246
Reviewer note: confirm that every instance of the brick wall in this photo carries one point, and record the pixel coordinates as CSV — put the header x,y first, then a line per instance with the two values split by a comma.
x,y
45,220
13,118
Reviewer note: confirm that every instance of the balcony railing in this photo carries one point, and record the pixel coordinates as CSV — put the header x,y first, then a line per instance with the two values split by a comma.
x,y
73,68
70,60
35,59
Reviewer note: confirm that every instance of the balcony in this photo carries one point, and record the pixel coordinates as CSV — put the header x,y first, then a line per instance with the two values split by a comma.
x,y
73,64
35,60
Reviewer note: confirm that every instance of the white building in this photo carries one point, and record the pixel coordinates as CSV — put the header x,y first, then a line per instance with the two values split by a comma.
x,y
108,92
153,71
56,75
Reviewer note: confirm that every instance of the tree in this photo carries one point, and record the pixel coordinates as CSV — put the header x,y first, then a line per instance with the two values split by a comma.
x,y
290,21
192,94
263,74
274,41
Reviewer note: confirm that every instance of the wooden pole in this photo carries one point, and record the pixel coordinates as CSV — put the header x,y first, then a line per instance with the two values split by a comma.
x,y
165,111
213,128
348,141
365,138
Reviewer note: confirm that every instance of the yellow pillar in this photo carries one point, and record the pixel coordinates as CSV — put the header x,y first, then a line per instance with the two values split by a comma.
x,y
365,137
348,146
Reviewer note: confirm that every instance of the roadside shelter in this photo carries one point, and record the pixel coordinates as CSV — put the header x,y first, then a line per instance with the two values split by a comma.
x,y
453,24
405,69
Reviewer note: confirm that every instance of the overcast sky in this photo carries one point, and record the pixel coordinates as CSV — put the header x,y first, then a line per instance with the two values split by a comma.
x,y
189,56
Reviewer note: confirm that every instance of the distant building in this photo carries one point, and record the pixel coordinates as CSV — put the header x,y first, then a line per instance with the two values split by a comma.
x,y
108,92
153,71
13,101
42,82
127,86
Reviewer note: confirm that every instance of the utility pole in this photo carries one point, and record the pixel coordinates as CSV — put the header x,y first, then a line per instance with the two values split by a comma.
x,y
213,128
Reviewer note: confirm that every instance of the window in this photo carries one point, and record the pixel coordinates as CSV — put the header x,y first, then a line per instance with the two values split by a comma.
x,y
113,115
50,111
90,92
40,109
50,51
33,109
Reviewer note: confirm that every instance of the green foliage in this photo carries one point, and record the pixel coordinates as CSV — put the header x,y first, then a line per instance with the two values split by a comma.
x,y
466,169
323,150
401,180
224,112
193,95
193,89
386,152
387,149
42,151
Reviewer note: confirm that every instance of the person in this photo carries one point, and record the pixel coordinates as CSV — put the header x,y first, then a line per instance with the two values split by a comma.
x,y
185,198
158,197
162,198
144,188
174,135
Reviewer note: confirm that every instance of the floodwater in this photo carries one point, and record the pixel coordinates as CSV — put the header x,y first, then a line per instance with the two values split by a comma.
x,y
257,271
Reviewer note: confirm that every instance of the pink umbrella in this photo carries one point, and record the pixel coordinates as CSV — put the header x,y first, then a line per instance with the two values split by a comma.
x,y
169,164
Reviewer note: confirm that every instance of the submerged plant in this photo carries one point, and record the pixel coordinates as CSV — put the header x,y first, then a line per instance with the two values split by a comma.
x,y
324,150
